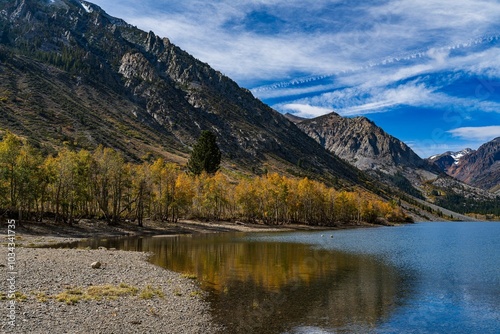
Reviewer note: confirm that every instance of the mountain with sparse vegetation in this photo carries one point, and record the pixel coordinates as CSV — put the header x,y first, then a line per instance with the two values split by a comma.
x,y
479,168
73,76
74,79
365,145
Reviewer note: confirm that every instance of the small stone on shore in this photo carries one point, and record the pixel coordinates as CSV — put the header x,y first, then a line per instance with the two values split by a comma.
x,y
96,265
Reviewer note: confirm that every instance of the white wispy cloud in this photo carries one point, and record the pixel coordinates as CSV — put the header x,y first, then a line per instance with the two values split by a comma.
x,y
483,133
354,57
341,35
305,110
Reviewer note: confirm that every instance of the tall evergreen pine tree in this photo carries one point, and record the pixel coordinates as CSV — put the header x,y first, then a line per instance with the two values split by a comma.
x,y
206,154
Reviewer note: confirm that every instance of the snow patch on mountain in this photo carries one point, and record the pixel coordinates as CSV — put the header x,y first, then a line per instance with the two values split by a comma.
x,y
85,6
458,155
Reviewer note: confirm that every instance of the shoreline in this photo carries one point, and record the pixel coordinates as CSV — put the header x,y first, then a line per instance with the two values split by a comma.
x,y
60,290
56,288
34,234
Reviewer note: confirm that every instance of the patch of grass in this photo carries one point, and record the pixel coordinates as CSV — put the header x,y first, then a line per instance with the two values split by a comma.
x,y
40,296
150,292
196,294
18,296
70,296
110,291
98,292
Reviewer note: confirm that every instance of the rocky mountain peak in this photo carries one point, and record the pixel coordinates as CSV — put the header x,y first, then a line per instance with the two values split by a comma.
x,y
480,168
361,142
447,159
293,118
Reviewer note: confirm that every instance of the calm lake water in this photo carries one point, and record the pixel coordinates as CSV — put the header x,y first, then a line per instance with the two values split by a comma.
x,y
421,278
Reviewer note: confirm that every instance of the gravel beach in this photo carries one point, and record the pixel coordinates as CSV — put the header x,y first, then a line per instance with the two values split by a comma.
x,y
175,305
59,291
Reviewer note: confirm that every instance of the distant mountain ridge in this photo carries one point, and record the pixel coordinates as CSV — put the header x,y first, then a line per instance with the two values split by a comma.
x,y
360,142
448,159
480,168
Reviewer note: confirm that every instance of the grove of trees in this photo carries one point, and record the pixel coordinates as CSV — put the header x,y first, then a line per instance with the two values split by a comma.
x,y
101,185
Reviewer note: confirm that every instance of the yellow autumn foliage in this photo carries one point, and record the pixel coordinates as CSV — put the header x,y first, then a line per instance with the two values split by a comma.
x,y
101,185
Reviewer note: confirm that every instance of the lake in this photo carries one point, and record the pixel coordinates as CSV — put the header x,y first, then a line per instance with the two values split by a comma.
x,y
418,278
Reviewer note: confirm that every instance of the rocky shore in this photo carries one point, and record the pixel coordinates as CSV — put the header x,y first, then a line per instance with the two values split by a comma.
x,y
58,291
103,291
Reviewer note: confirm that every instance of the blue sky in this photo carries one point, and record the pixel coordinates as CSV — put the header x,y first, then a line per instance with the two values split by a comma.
x,y
427,71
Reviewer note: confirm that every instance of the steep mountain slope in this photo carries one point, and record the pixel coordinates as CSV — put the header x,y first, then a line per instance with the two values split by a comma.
x,y
480,168
72,75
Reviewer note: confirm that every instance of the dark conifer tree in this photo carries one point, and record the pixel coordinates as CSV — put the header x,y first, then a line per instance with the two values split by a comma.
x,y
206,154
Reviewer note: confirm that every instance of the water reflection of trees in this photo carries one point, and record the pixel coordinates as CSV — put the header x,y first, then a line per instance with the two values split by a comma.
x,y
270,287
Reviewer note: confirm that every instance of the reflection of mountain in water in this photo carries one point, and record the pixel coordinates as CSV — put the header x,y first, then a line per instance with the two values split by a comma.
x,y
271,287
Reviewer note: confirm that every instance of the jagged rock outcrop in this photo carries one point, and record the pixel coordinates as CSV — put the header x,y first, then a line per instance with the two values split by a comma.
x,y
361,142
135,65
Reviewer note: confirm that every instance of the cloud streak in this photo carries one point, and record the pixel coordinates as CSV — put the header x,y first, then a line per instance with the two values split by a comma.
x,y
322,37
355,57
305,110
482,134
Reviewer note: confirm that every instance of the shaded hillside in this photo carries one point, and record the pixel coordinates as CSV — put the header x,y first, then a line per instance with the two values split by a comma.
x,y
71,74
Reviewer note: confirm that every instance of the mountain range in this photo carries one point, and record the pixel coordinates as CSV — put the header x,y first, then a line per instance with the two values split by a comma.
x,y
360,142
480,168
445,160
73,76
365,145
